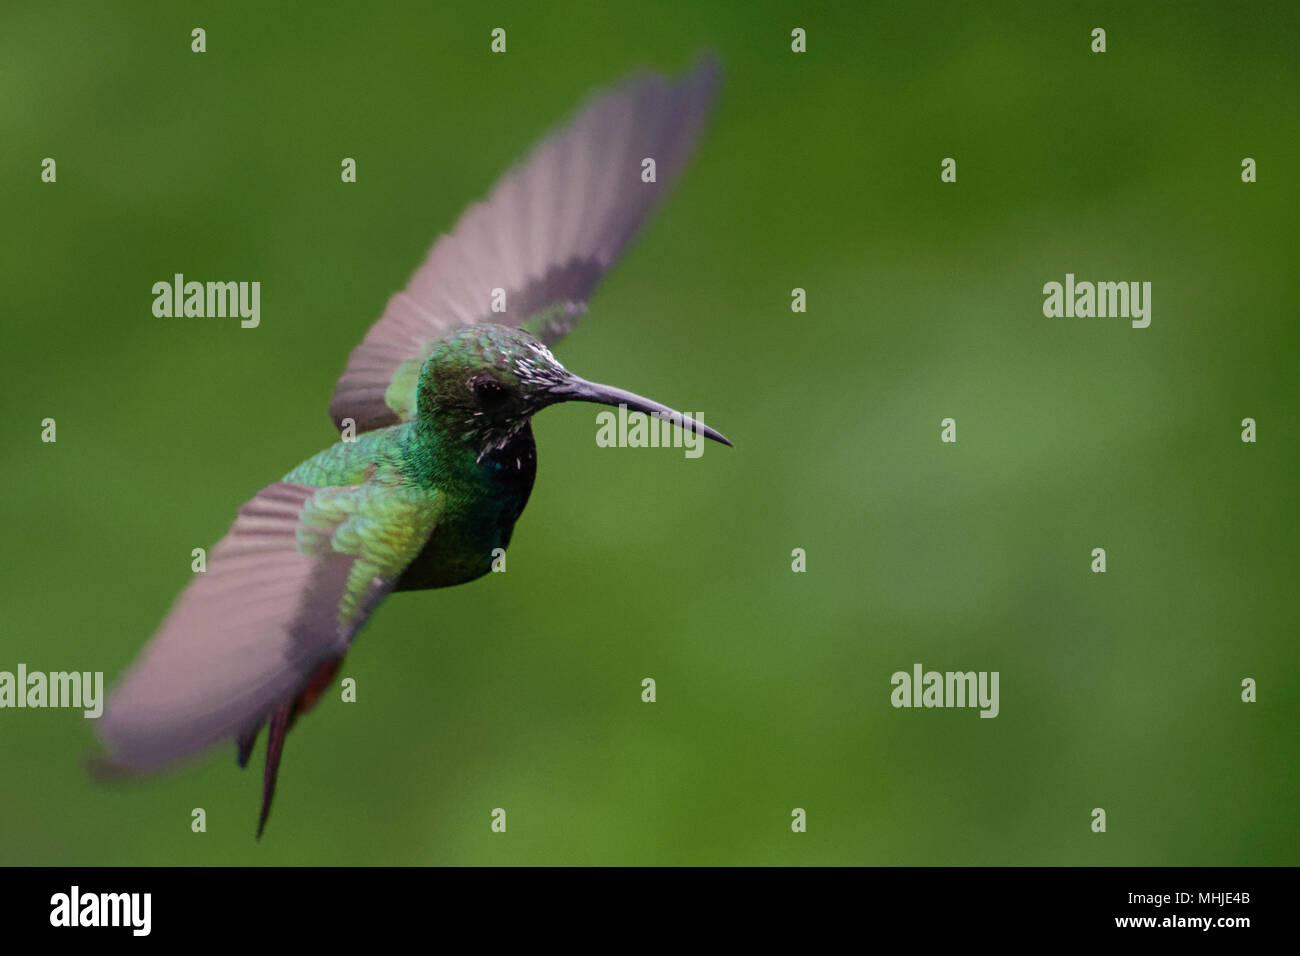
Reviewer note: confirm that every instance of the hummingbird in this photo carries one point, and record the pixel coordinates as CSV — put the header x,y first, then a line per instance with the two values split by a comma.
x,y
436,459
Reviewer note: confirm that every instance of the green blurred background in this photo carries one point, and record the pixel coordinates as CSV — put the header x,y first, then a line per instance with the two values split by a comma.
x,y
821,171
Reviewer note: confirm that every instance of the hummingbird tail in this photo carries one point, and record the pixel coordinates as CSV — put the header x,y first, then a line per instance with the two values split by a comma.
x,y
281,721
245,746
274,747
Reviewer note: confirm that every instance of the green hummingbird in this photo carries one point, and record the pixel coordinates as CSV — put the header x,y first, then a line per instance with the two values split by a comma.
x,y
437,459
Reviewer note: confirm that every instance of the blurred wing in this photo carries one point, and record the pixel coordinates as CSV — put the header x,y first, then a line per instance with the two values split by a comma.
x,y
550,229
288,588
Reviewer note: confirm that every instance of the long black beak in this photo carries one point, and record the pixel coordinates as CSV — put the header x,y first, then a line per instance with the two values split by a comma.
x,y
576,389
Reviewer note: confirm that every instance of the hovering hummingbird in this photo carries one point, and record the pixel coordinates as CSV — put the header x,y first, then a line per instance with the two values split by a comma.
x,y
440,393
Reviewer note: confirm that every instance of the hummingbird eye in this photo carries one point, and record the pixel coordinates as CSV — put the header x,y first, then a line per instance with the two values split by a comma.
x,y
488,392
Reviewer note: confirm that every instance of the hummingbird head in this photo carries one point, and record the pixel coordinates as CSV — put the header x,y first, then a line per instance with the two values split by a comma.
x,y
483,383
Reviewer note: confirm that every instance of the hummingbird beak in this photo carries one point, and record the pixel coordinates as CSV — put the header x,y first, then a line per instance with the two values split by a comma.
x,y
574,389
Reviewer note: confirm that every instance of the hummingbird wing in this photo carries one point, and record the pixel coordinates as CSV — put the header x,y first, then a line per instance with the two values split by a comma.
x,y
546,234
284,593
